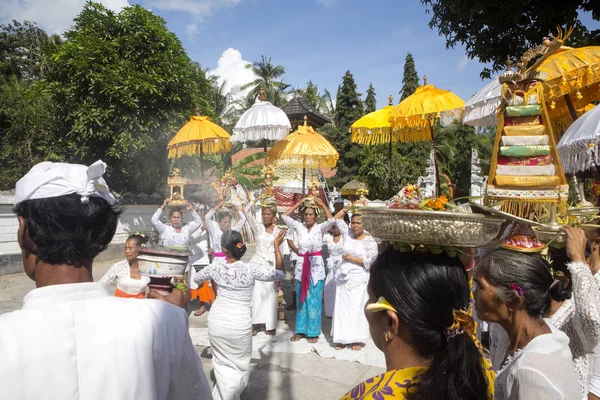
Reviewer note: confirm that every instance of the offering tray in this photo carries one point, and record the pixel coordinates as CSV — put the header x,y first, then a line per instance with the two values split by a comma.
x,y
487,210
550,237
162,263
440,228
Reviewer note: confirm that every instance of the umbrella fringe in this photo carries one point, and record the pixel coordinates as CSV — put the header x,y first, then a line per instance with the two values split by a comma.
x,y
372,136
575,157
190,149
482,116
271,132
526,206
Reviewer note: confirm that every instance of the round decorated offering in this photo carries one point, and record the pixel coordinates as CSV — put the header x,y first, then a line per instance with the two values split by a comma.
x,y
553,238
523,243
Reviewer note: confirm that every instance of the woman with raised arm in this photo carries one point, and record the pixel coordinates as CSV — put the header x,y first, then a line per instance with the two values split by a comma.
x,y
264,298
418,312
230,318
310,269
176,234
350,326
218,222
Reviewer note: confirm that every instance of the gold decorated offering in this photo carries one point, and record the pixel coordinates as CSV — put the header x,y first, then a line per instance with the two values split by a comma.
x,y
177,181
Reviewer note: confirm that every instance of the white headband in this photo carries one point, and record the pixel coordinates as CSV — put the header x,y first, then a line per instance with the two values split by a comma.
x,y
48,179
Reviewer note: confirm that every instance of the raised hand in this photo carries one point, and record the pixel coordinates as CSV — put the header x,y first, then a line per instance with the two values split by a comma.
x,y
576,242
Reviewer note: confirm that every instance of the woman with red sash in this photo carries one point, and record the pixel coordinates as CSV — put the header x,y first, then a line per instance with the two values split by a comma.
x,y
130,283
310,269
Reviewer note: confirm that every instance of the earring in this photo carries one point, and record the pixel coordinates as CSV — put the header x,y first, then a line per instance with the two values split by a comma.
x,y
385,336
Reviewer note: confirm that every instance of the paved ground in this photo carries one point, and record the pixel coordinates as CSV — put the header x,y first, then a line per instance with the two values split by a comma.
x,y
273,376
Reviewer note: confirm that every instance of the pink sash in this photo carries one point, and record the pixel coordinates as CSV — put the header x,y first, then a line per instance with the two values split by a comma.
x,y
306,274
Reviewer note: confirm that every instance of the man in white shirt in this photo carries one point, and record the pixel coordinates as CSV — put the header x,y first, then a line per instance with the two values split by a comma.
x,y
71,339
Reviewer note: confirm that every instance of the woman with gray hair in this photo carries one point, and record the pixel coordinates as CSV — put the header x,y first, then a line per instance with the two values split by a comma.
x,y
514,290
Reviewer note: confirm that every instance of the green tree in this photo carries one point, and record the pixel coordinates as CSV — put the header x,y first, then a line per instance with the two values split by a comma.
x,y
268,78
123,85
410,80
348,109
370,101
491,30
319,102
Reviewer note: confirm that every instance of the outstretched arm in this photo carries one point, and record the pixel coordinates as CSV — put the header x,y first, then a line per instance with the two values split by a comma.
x,y
242,220
290,211
158,225
197,222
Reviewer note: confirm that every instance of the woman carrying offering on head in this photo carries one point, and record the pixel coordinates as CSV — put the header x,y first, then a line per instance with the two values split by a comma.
x,y
230,318
130,283
335,250
264,298
176,234
418,312
514,290
310,269
218,222
349,326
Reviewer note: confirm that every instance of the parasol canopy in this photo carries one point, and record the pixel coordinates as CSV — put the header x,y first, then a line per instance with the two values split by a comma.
x,y
292,186
351,187
304,148
199,136
578,147
261,121
480,110
374,128
413,117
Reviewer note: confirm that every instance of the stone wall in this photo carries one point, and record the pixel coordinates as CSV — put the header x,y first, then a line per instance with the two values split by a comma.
x,y
134,218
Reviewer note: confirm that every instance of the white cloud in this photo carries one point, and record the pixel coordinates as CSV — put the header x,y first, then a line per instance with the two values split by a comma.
x,y
463,63
191,30
231,67
53,16
199,8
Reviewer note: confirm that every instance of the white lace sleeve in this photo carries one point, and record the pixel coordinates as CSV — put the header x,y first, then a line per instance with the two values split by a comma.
x,y
265,274
204,274
292,223
343,227
326,226
158,225
587,307
240,224
251,219
195,224
370,251
533,384
114,273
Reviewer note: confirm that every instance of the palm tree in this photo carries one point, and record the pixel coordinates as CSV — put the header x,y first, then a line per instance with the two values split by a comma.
x,y
268,78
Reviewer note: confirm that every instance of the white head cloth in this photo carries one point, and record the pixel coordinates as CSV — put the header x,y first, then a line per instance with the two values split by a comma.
x,y
48,179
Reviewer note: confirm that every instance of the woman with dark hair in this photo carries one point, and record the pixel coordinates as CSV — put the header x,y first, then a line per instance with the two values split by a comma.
x,y
514,290
230,318
310,277
264,297
176,234
335,250
218,221
130,283
72,338
349,325
418,314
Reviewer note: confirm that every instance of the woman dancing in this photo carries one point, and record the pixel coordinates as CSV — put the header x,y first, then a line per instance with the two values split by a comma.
x,y
230,319
310,270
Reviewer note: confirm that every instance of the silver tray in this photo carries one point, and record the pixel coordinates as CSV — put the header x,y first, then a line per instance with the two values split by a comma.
x,y
431,227
492,211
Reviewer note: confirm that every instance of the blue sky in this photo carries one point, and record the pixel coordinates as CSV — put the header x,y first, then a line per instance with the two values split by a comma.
x,y
312,39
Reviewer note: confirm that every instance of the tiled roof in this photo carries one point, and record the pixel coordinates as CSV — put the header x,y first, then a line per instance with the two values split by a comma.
x,y
298,107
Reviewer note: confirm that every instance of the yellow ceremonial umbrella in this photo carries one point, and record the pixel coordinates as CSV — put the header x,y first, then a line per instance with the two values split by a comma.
x,y
413,118
303,148
350,188
375,128
199,136
571,79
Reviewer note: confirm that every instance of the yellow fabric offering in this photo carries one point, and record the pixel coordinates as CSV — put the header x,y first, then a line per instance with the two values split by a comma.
x,y
524,130
527,181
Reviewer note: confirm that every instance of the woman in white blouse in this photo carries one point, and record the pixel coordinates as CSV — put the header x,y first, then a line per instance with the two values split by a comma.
x,y
310,270
230,318
349,325
176,234
217,222
130,283
513,289
335,250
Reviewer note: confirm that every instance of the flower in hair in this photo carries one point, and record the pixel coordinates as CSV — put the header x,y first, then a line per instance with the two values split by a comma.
x,y
516,288
239,245
137,233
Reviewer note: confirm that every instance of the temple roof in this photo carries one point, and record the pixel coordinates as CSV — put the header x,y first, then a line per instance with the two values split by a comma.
x,y
298,107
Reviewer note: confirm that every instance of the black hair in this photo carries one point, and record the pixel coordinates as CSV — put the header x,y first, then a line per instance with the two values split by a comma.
x,y
223,214
425,289
562,290
230,241
530,272
66,231
176,210
139,239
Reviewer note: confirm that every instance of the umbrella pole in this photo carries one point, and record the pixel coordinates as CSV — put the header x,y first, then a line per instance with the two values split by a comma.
x,y
201,163
265,150
570,106
390,167
435,163
303,175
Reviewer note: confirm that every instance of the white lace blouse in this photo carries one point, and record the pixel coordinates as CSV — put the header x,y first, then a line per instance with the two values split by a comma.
x,y
215,232
335,251
309,242
236,280
263,254
119,272
169,236
542,370
366,249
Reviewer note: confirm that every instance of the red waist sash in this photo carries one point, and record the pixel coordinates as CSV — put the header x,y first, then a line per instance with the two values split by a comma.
x,y
306,273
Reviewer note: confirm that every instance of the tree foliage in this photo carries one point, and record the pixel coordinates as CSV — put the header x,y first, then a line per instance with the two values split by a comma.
x,y
370,100
268,78
492,31
123,85
410,80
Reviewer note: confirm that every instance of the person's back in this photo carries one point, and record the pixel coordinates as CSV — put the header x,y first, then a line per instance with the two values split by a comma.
x,y
75,341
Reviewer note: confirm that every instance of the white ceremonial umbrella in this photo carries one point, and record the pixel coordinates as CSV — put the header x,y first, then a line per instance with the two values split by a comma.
x,y
292,186
480,110
578,146
262,121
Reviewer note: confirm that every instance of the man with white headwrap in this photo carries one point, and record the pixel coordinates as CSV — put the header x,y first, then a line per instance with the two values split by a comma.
x,y
72,339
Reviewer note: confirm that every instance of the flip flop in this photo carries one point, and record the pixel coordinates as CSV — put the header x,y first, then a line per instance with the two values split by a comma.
x,y
199,312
